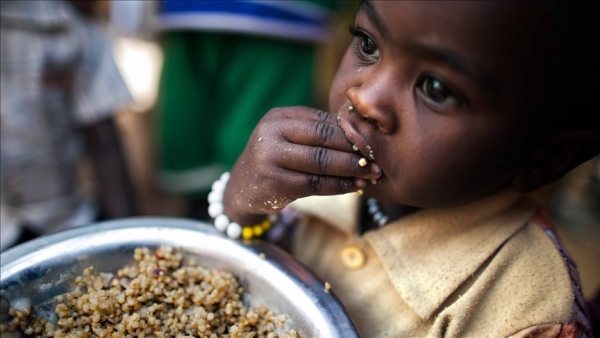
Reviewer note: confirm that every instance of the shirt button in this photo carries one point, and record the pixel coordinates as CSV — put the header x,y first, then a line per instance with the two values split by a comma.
x,y
352,257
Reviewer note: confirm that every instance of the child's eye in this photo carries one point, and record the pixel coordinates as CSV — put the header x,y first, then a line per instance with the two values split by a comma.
x,y
437,92
367,46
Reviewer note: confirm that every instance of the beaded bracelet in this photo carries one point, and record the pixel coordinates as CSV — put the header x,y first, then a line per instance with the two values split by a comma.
x,y
221,221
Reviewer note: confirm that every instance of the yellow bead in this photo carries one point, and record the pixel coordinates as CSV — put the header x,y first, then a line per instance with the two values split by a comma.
x,y
258,230
247,233
266,224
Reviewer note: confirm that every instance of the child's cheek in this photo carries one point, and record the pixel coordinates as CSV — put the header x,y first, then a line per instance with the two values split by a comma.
x,y
342,82
337,95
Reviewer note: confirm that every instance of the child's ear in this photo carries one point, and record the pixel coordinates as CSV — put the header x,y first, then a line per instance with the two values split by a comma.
x,y
562,151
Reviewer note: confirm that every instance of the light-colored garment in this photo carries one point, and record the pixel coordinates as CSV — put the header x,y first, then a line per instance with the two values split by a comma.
x,y
484,269
57,74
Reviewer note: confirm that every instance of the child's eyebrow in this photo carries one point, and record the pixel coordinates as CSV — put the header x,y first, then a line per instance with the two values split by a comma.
x,y
367,7
454,61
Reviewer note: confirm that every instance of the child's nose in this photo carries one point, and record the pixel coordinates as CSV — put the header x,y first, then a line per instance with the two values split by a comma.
x,y
375,103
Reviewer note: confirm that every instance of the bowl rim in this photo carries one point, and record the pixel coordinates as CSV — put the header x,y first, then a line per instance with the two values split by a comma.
x,y
325,301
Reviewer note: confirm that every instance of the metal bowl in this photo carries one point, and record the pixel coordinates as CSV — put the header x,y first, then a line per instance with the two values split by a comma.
x,y
46,267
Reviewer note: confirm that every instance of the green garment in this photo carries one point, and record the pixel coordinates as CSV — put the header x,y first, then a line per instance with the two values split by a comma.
x,y
215,87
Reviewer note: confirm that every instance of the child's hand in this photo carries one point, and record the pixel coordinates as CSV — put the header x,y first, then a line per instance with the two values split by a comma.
x,y
293,152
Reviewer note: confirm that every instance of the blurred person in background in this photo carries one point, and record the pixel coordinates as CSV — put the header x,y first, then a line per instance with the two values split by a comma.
x,y
59,91
226,63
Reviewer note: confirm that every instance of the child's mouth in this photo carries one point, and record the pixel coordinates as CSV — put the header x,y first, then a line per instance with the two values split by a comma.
x,y
348,124
356,139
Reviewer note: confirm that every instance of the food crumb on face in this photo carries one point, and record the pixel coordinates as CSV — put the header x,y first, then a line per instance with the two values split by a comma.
x,y
327,287
158,296
262,256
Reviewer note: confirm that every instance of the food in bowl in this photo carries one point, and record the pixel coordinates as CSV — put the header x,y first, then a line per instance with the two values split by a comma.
x,y
159,296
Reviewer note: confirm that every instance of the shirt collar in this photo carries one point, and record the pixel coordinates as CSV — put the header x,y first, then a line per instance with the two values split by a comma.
x,y
429,254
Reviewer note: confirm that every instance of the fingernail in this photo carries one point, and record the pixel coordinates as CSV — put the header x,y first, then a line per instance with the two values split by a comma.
x,y
375,168
360,183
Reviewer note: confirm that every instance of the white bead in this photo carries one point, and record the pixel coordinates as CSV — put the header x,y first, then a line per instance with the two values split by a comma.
x,y
234,230
378,215
225,176
372,208
215,209
221,222
215,196
218,185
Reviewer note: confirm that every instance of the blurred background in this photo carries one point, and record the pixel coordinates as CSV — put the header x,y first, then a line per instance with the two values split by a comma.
x,y
139,43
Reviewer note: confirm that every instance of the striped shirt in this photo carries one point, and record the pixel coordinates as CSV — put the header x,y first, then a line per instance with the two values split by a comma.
x,y
299,20
57,73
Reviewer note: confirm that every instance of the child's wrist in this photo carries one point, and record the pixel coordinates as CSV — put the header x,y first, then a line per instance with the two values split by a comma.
x,y
249,227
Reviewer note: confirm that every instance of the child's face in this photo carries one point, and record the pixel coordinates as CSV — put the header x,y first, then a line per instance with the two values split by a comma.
x,y
438,91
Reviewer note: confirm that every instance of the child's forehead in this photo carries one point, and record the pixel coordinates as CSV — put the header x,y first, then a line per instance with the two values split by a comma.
x,y
487,33
462,22
459,14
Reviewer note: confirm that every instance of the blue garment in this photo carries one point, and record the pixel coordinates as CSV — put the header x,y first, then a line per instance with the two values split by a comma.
x,y
301,20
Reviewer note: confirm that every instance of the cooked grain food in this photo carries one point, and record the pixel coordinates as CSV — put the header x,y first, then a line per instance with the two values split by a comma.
x,y
157,297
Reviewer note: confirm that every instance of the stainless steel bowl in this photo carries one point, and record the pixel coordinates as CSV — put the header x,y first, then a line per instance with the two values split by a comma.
x,y
47,266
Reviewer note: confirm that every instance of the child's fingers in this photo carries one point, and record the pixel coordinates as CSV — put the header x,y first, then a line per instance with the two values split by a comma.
x,y
324,161
300,112
303,125
309,184
316,133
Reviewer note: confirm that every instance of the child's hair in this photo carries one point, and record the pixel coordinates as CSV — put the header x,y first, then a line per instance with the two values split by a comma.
x,y
569,99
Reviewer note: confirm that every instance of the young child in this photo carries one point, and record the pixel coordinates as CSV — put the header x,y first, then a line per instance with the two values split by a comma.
x,y
444,114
